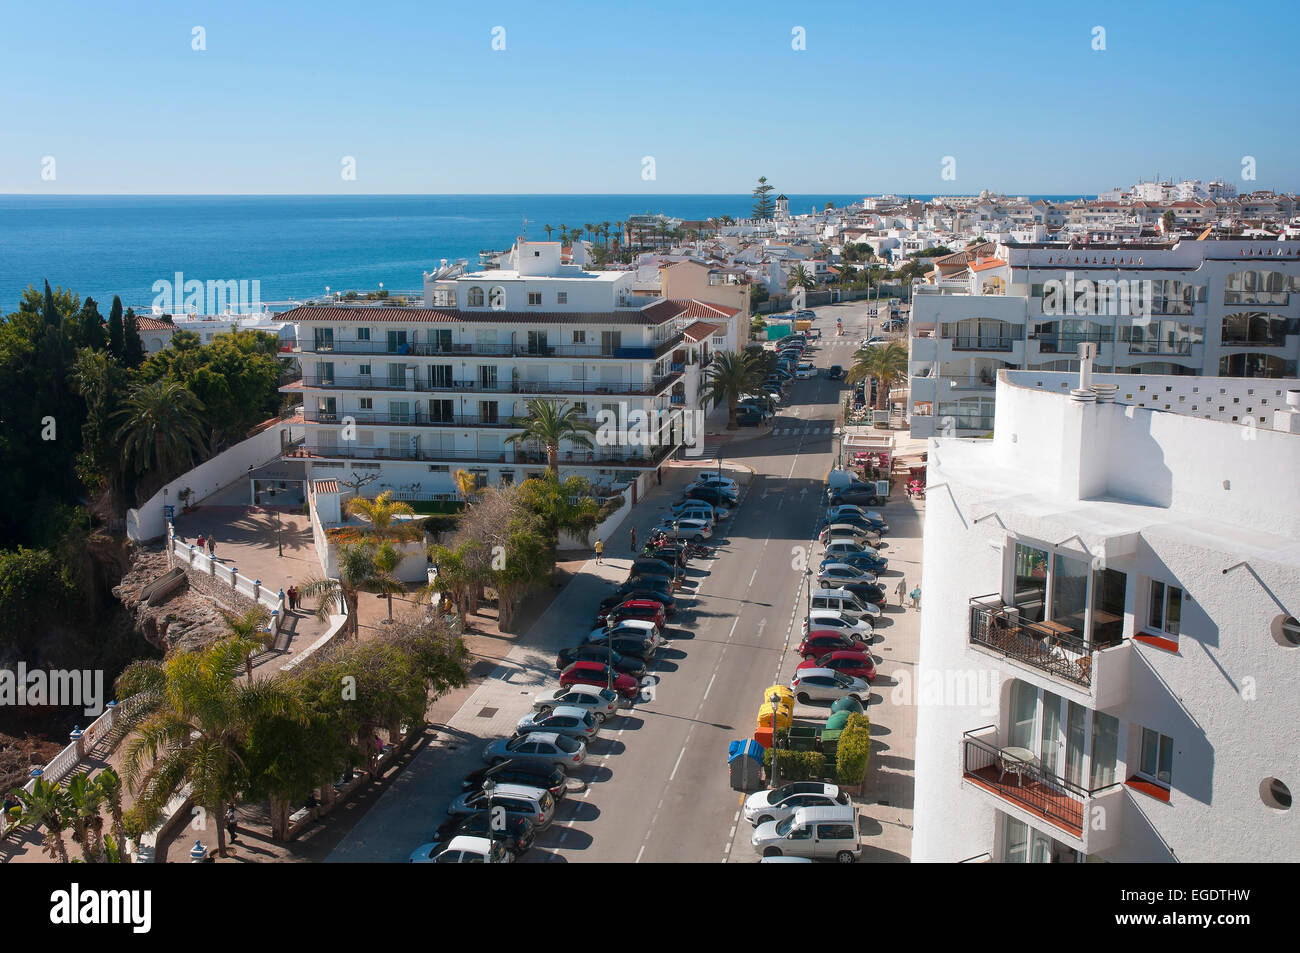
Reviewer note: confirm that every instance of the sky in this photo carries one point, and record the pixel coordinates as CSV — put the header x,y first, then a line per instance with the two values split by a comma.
x,y
114,98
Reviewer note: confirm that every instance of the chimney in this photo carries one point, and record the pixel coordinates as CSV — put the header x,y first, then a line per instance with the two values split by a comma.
x,y
1288,421
1084,392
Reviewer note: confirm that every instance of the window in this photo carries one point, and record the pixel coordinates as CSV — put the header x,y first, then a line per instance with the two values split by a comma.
x,y
610,341
323,339
364,370
561,297
487,376
440,375
1157,756
1165,610
579,337
475,299
366,403
534,298
363,334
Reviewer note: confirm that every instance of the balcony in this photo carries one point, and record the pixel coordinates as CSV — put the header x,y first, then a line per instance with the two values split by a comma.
x,y
1069,343
1062,655
377,383
646,458
982,343
420,418
1027,785
517,349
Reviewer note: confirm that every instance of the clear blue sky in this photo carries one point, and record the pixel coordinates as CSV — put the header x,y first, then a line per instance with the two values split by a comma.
x,y
715,93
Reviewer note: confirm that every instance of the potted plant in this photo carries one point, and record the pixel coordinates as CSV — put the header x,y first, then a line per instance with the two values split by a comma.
x,y
184,496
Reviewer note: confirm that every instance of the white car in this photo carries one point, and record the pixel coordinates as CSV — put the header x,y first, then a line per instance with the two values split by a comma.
x,y
858,630
776,804
601,702
463,849
629,627
711,478
827,685
693,529
805,372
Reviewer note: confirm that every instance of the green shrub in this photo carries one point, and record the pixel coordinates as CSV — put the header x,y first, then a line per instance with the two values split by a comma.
x,y
853,752
796,765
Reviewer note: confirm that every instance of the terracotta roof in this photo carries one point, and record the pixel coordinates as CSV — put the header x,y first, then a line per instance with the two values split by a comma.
x,y
991,263
966,255
326,486
653,314
153,324
690,308
700,330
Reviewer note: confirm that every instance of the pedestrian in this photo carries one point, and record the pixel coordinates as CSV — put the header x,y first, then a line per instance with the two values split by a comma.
x,y
916,597
634,540
284,600
293,597
212,547
902,588
232,823
600,550
659,477
201,542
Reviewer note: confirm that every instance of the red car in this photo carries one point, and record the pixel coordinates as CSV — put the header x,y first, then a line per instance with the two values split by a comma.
x,y
846,663
593,673
820,641
646,609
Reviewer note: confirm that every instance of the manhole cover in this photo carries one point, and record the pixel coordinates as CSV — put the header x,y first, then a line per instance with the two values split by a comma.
x,y
487,712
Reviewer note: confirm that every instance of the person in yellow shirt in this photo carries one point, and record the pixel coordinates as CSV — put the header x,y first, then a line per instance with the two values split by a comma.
x,y
600,550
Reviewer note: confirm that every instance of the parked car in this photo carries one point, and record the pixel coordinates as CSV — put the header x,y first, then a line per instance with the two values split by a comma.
x,y
844,547
835,372
859,630
634,594
872,527
594,673
540,747
863,494
591,653
848,531
643,609
818,833
714,495
873,517
805,372
776,804
832,574
531,774
749,417
818,642
827,685
654,566
862,559
600,701
643,629
518,834
568,720
869,594
853,664
693,507
625,642
463,850
712,478
515,799
689,528
653,579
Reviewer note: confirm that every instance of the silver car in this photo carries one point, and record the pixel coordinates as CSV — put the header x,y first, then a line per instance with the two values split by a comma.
x,y
685,528
565,720
827,685
777,804
542,747
517,800
601,702
830,575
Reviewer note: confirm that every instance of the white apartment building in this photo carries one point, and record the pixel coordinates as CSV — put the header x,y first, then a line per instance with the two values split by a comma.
x,y
1217,308
419,393
1109,642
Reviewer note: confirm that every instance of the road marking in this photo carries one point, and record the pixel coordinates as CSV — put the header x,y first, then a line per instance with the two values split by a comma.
x,y
638,854
752,575
707,690
679,759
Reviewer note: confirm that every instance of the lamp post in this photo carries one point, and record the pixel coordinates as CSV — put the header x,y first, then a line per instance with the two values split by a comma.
x,y
489,786
279,537
775,700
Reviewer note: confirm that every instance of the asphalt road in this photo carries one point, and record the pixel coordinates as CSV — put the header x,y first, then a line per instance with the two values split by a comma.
x,y
657,783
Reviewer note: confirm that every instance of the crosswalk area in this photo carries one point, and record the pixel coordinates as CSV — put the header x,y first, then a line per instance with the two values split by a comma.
x,y
800,431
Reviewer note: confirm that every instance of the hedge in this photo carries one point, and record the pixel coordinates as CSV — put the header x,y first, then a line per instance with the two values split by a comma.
x,y
796,765
853,753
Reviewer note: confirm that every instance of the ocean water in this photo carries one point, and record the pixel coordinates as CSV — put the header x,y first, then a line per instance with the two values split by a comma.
x,y
296,246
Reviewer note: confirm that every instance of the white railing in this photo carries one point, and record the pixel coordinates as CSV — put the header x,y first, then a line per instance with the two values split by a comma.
x,y
199,561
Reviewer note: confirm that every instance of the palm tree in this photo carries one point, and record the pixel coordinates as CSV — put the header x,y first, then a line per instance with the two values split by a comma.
x,y
604,227
548,422
161,429
356,570
618,232
110,783
250,627
883,364
730,375
187,723
85,798
380,511
564,234
548,229
466,483
383,580
801,278
47,806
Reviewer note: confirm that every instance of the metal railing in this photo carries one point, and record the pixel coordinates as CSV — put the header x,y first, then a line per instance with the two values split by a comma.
x,y
1029,785
982,343
650,456
417,418
378,382
1069,343
1065,655
649,351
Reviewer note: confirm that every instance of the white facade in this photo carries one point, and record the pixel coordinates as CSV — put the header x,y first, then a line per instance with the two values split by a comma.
x,y
1218,308
1108,593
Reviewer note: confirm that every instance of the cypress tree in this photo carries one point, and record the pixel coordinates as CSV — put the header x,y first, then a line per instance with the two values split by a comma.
x,y
132,346
116,342
49,313
91,327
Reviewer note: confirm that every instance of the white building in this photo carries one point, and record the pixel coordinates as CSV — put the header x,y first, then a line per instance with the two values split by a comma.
x,y
1216,308
419,393
1109,644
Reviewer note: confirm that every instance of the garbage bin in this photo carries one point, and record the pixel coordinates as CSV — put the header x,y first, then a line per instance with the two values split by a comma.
x,y
847,703
745,760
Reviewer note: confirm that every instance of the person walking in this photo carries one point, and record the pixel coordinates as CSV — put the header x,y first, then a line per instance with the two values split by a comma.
x,y
232,823
916,597
203,542
212,547
293,598
901,590
633,540
600,550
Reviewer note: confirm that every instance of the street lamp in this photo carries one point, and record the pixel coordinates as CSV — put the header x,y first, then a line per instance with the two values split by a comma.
x,y
775,700
490,785
279,537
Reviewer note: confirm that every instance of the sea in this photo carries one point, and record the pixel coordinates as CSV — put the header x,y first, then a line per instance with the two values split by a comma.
x,y
297,246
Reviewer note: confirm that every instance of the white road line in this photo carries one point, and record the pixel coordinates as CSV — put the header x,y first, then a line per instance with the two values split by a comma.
x,y
707,690
752,575
679,761
638,854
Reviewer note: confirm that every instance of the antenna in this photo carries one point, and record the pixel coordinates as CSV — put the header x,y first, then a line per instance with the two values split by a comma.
x,y
524,233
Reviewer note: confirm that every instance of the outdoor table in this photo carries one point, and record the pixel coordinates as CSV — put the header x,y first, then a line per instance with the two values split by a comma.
x,y
1016,760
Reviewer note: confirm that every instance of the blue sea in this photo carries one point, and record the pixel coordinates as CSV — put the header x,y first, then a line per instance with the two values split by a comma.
x,y
296,246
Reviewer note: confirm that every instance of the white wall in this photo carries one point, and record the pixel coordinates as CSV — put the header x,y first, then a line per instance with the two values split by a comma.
x,y
148,522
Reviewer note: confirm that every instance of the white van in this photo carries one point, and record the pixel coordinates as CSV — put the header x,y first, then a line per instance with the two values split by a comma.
x,y
818,833
839,600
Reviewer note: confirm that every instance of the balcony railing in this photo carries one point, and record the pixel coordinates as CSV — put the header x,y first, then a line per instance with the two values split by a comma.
x,y
1069,343
1025,783
640,458
376,382
421,418
1064,655
982,343
516,349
